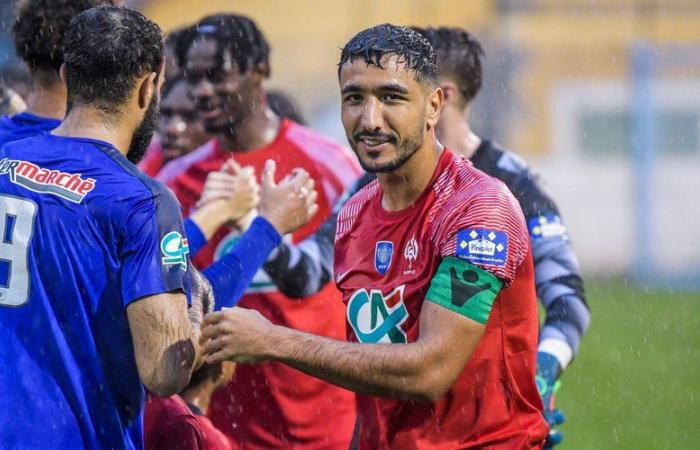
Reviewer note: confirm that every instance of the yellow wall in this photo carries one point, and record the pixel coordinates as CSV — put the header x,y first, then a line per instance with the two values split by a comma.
x,y
560,40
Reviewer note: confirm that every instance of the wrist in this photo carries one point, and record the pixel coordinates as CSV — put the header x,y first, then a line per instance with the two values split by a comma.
x,y
274,221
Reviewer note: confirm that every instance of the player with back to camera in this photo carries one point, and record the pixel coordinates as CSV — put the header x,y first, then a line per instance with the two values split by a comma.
x,y
434,264
94,301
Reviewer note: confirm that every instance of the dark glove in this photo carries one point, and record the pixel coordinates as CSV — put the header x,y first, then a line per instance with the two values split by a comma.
x,y
202,297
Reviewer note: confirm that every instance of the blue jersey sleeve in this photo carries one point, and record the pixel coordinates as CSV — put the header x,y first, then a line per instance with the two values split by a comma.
x,y
155,251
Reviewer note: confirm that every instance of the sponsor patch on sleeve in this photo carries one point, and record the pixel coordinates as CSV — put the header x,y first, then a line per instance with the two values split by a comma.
x,y
547,226
174,249
482,246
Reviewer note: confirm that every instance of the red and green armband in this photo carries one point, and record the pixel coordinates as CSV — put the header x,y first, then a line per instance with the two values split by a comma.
x,y
464,288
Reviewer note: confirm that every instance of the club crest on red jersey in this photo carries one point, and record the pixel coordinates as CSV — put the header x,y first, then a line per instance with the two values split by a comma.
x,y
375,317
383,251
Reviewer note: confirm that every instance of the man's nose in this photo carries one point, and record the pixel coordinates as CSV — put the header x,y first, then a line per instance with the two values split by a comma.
x,y
372,118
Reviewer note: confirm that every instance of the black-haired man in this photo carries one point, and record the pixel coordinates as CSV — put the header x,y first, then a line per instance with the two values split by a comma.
x,y
434,264
38,33
267,406
94,282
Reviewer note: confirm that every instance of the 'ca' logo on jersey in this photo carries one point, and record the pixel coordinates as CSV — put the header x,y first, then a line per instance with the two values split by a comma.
x,y
175,249
375,317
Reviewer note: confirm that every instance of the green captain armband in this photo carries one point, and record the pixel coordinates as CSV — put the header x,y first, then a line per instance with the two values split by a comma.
x,y
464,288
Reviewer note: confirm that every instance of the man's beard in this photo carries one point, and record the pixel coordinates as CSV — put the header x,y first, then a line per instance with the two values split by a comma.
x,y
405,150
143,134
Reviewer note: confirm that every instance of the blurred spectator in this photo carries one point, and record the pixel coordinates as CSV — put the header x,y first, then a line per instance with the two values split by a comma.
x,y
17,78
10,102
179,130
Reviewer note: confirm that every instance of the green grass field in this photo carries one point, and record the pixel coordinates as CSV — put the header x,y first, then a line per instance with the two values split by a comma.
x,y
636,381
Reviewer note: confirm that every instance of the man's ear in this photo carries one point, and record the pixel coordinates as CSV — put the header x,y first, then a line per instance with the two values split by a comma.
x,y
62,73
433,106
261,71
147,89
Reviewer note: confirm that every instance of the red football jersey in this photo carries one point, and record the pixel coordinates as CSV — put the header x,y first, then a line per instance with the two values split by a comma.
x,y
168,424
384,263
272,405
213,437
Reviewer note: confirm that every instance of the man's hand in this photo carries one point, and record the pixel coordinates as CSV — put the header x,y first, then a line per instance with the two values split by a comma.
x,y
234,189
235,334
548,370
290,204
202,297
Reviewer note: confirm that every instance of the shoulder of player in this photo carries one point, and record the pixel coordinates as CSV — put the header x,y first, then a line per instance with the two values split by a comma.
x,y
355,204
473,196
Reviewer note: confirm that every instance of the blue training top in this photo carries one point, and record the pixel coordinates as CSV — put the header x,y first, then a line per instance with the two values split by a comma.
x,y
83,233
24,125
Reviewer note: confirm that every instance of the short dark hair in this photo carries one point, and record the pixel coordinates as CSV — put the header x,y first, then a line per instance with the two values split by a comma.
x,y
179,41
39,30
459,56
239,36
412,49
106,50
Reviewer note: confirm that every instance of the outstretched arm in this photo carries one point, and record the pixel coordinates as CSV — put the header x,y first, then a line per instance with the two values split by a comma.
x,y
422,370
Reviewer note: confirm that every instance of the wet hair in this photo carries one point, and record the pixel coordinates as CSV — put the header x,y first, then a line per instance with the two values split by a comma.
x,y
106,50
240,37
284,106
179,42
40,27
459,56
374,44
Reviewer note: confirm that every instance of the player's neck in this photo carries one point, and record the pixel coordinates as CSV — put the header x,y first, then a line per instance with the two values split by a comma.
x,y
89,122
456,133
257,130
403,186
199,396
48,99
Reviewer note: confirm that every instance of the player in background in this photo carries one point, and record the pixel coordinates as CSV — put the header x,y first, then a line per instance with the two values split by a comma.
x,y
557,274
95,274
269,405
205,382
169,424
38,33
179,130
10,102
434,263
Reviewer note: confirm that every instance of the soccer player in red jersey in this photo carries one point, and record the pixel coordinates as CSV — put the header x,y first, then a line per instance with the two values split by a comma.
x,y
435,267
204,383
269,405
170,425
179,129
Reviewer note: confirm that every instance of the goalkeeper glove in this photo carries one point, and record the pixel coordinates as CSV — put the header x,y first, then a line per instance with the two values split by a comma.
x,y
548,370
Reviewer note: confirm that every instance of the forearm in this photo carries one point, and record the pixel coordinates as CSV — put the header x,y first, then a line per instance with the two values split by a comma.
x,y
208,218
231,275
388,370
560,289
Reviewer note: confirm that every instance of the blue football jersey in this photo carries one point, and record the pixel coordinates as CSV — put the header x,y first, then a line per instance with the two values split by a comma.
x,y
83,234
24,125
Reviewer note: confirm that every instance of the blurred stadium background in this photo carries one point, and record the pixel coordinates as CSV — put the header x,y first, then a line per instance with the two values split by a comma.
x,y
603,99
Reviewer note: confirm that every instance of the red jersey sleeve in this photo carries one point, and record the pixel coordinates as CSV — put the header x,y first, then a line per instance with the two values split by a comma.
x,y
485,227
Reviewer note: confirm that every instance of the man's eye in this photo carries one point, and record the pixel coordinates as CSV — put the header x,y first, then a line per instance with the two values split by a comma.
x,y
392,97
353,98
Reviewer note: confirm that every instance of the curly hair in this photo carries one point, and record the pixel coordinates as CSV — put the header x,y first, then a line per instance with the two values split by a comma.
x,y
459,56
106,49
238,36
40,27
412,49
